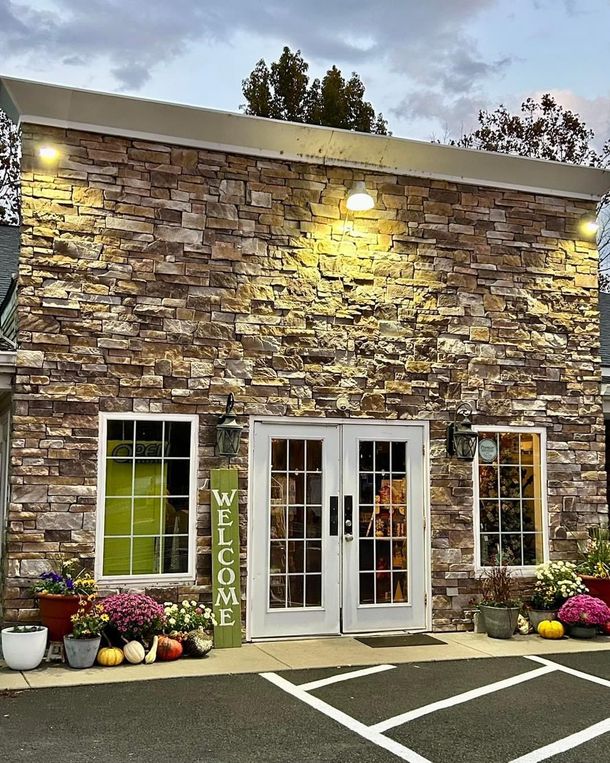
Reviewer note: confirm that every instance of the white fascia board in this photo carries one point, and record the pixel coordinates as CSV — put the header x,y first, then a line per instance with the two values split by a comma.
x,y
155,121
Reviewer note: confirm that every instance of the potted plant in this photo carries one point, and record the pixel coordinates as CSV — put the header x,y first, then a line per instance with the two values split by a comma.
x,y
555,582
23,646
192,624
583,615
133,617
58,597
595,568
499,607
83,643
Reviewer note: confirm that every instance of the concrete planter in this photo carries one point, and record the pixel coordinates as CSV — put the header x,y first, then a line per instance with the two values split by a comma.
x,y
500,622
24,651
81,652
537,616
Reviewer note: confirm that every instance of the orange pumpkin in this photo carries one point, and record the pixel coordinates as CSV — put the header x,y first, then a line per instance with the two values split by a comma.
x,y
109,656
168,649
552,629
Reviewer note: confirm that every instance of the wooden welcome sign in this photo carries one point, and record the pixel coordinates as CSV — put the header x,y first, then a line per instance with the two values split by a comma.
x,y
225,558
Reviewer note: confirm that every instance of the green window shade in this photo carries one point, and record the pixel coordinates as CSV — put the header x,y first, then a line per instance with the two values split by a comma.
x,y
147,489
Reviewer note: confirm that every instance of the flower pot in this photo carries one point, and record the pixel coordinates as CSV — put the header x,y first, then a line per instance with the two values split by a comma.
x,y
55,612
576,630
500,622
599,587
24,651
81,652
536,616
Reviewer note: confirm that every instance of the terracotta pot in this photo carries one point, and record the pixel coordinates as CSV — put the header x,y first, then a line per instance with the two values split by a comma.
x,y
599,587
56,609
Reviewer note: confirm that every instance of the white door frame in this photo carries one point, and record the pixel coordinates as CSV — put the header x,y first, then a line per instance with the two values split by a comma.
x,y
424,425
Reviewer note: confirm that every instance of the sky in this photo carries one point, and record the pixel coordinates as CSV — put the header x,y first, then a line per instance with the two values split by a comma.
x,y
428,65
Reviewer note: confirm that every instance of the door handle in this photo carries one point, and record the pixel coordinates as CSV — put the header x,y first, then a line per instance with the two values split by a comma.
x,y
348,518
333,528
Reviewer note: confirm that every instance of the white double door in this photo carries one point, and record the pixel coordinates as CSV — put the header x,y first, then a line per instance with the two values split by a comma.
x,y
336,529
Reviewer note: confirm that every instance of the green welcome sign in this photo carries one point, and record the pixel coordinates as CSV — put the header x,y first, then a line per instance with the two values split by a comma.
x,y
225,558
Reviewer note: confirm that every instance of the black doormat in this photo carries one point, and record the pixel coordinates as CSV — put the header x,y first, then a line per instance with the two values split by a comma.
x,y
412,639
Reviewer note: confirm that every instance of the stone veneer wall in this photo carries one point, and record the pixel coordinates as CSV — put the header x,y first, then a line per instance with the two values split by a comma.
x,y
159,279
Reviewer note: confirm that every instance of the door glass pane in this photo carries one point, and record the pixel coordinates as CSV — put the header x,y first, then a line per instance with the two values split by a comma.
x,y
382,526
295,512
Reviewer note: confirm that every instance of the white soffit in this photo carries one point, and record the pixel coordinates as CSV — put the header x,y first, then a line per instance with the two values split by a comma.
x,y
105,113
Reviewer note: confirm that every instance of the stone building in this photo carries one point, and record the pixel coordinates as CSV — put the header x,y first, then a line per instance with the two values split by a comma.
x,y
171,256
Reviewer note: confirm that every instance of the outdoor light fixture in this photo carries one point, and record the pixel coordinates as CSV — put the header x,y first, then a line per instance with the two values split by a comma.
x,y
461,439
359,199
228,431
589,225
48,153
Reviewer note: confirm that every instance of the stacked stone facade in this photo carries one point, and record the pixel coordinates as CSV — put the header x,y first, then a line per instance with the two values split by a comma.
x,y
159,279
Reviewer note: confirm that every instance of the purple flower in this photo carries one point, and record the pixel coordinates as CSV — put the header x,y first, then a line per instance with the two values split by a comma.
x,y
584,610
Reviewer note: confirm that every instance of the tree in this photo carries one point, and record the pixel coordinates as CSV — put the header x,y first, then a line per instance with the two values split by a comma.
x,y
546,130
283,91
543,130
9,171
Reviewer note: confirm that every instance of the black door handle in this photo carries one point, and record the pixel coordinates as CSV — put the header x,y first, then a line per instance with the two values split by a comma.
x,y
348,517
334,515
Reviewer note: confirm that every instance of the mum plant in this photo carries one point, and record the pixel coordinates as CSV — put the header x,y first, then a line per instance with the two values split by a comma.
x,y
556,582
187,616
65,581
90,620
584,610
134,616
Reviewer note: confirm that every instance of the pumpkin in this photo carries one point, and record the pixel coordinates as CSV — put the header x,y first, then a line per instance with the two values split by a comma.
x,y
134,652
606,628
552,629
151,655
109,656
168,649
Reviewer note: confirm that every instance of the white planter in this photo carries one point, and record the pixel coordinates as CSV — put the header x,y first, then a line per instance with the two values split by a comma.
x,y
24,651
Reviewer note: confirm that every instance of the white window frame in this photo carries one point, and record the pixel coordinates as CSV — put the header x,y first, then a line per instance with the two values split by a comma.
x,y
527,570
181,577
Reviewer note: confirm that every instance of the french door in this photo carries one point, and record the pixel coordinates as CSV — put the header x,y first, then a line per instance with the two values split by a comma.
x,y
337,529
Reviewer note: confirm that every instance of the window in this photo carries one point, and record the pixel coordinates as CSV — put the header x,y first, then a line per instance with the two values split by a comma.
x,y
509,473
147,496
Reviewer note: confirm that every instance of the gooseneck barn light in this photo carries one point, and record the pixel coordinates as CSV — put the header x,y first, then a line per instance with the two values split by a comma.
x,y
228,431
359,199
461,439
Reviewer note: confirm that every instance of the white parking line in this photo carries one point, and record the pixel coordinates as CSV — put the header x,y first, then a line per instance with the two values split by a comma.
x,y
565,744
571,671
402,752
344,677
442,704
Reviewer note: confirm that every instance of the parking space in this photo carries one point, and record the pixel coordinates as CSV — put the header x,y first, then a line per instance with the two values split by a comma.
x,y
519,710
493,710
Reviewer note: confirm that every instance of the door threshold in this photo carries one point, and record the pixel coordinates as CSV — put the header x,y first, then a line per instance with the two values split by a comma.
x,y
324,636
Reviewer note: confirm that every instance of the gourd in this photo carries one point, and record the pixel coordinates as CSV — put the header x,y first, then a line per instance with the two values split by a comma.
x,y
134,652
552,629
109,656
198,643
151,655
168,649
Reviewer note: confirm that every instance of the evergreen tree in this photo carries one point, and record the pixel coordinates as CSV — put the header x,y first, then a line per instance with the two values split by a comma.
x,y
283,91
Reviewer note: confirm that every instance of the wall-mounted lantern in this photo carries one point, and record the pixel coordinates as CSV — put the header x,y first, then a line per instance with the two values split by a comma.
x,y
461,439
589,226
228,431
48,153
358,198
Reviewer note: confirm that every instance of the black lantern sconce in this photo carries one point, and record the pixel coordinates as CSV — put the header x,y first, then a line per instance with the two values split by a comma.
x,y
228,431
461,439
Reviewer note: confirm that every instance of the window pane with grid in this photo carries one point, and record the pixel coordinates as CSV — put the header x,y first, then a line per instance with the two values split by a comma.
x,y
147,497
510,500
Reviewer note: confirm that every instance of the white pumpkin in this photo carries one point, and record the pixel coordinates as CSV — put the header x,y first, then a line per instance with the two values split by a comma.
x,y
134,652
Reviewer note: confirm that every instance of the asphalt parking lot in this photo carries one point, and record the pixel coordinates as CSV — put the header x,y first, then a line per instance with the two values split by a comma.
x,y
494,710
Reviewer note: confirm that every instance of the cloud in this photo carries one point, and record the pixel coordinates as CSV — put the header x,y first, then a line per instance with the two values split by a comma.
x,y
135,36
